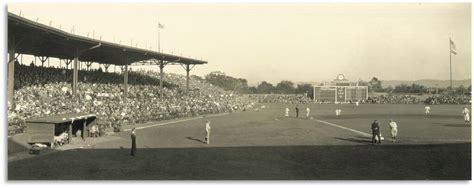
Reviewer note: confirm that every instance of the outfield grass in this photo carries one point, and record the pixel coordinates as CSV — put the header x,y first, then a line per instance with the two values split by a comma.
x,y
267,145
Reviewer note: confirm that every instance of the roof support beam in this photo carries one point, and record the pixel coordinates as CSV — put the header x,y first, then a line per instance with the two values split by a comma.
x,y
187,68
162,66
11,70
75,73
125,76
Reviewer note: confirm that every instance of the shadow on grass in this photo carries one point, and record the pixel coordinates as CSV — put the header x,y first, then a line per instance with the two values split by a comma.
x,y
335,162
195,139
458,125
361,140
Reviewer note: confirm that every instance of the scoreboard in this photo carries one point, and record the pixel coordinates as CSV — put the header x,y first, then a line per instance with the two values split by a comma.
x,y
340,91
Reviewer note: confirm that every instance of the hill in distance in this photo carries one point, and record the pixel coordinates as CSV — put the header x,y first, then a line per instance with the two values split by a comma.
x,y
428,83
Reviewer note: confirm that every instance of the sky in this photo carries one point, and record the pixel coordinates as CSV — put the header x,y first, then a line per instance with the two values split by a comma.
x,y
300,42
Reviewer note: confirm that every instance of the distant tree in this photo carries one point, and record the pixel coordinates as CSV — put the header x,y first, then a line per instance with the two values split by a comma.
x,y
462,90
389,89
265,87
305,89
252,90
362,83
285,87
228,83
375,85
413,88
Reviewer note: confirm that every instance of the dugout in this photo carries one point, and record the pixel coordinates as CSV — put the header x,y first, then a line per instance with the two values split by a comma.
x,y
44,129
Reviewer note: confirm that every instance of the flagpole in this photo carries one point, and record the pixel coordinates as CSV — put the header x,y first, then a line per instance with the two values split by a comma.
x,y
450,71
158,36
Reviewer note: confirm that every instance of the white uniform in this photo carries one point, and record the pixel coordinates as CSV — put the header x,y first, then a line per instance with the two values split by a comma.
x,y
393,128
427,109
307,112
357,103
338,112
466,115
208,131
287,112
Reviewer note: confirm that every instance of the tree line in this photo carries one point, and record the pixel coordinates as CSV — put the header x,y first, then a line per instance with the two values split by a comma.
x,y
240,85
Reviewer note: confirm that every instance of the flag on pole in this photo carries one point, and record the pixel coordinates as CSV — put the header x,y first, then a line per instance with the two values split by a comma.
x,y
160,26
452,47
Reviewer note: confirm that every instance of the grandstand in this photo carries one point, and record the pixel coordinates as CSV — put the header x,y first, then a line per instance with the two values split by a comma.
x,y
118,99
33,38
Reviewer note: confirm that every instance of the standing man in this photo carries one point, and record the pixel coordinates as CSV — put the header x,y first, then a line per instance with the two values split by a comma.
x,y
393,129
134,142
465,112
208,131
307,112
427,110
376,132
287,112
297,111
338,112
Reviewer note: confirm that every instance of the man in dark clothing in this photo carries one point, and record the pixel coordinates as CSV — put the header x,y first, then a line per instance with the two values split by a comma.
x,y
297,111
134,142
376,132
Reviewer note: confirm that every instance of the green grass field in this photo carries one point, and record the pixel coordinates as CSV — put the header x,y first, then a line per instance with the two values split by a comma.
x,y
265,145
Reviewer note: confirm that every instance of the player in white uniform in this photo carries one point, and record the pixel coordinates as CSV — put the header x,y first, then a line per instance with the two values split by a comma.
x,y
287,112
427,110
208,131
465,112
357,103
393,129
338,112
307,112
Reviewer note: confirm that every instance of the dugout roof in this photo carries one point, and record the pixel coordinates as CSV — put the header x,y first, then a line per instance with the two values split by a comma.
x,y
41,40
61,118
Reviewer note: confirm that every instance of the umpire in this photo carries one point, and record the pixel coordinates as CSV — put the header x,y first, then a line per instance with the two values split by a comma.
x,y
297,111
134,142
376,132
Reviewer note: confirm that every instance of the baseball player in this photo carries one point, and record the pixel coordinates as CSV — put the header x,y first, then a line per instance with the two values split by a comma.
x,y
376,132
427,110
297,111
465,112
393,129
134,142
287,112
338,112
307,112
208,131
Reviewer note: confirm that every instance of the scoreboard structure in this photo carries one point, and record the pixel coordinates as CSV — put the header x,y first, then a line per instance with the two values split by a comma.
x,y
340,90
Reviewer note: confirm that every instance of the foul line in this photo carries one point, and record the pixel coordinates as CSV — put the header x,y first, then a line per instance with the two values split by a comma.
x,y
345,128
369,135
177,121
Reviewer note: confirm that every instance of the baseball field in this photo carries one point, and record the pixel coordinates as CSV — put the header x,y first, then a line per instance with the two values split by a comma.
x,y
266,145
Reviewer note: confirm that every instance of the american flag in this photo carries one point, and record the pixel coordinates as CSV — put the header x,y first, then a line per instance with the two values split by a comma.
x,y
452,47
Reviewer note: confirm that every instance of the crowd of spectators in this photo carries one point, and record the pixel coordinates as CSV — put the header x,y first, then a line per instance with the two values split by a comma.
x,y
37,76
280,98
394,99
449,99
102,94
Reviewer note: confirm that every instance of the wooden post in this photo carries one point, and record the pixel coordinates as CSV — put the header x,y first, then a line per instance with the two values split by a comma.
x,y
11,71
75,73
162,66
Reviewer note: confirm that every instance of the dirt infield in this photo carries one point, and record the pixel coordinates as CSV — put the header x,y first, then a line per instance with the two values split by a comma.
x,y
266,145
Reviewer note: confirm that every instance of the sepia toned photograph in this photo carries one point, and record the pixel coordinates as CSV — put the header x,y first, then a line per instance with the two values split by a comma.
x,y
238,91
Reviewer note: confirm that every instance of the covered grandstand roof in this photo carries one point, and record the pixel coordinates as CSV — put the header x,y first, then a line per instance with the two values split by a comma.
x,y
41,40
